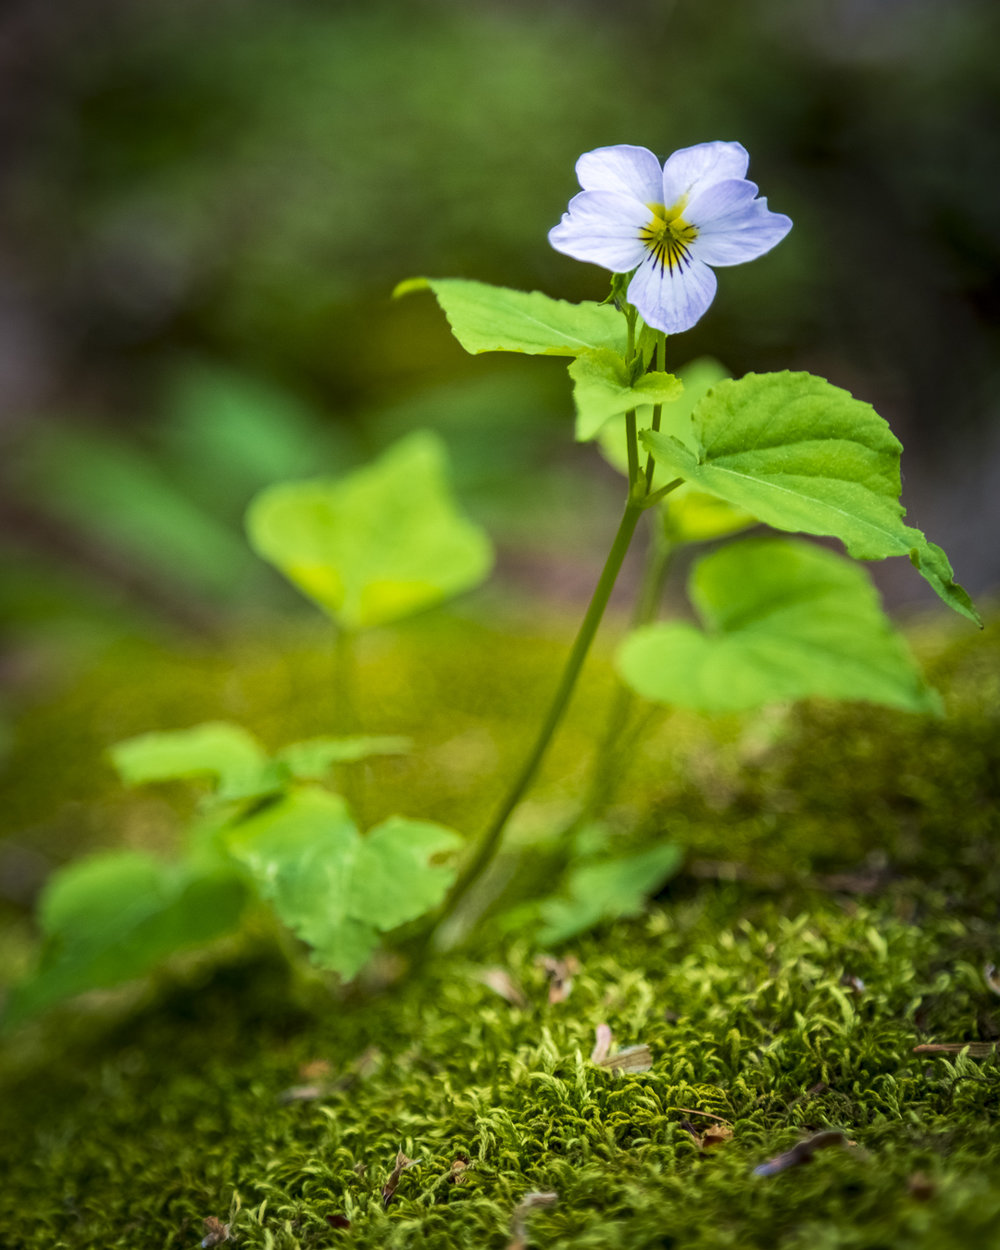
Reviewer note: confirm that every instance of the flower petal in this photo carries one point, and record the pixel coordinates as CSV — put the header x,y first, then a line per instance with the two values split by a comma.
x,y
602,227
625,169
735,229
672,300
690,171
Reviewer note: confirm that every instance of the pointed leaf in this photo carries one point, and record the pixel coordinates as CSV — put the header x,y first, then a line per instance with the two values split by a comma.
x,y
112,917
800,454
378,545
488,318
602,389
783,620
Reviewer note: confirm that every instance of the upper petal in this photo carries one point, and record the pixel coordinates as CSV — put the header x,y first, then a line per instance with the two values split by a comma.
x,y
602,227
625,169
690,170
672,300
738,231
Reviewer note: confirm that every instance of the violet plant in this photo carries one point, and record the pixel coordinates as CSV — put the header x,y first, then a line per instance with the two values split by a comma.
x,y
705,457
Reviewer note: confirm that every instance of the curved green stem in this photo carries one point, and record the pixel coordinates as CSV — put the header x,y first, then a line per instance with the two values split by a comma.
x,y
581,645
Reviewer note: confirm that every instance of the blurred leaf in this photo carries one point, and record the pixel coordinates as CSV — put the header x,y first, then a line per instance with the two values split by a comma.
x,y
488,318
603,389
312,759
119,495
689,515
783,620
230,434
800,454
607,889
215,749
112,917
375,546
331,886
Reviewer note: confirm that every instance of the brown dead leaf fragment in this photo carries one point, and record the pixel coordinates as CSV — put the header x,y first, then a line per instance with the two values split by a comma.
x,y
392,1184
560,973
519,1220
501,982
602,1043
714,1135
458,1172
631,1059
801,1153
215,1232
315,1070
921,1187
991,975
338,1221
977,1050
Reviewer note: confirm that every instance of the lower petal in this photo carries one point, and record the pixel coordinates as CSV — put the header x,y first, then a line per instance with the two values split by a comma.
x,y
672,299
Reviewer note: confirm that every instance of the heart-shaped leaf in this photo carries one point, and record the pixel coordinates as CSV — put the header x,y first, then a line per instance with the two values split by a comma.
x,y
782,620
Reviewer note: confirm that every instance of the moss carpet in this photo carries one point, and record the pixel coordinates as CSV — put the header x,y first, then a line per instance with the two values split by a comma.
x,y
837,909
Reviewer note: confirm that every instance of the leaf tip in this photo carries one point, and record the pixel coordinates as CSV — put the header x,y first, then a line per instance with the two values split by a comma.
x,y
409,285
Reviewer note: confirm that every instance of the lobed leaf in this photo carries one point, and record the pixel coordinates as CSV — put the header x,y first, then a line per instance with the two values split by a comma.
x,y
487,318
801,454
603,388
334,888
782,620
377,545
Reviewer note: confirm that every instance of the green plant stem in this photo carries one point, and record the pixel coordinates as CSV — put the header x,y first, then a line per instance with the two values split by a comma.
x,y
661,364
491,838
347,719
609,752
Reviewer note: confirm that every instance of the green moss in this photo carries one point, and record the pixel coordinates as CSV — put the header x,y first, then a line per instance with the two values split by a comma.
x,y
864,842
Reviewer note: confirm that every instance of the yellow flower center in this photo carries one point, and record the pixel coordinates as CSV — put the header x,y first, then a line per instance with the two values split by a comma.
x,y
668,236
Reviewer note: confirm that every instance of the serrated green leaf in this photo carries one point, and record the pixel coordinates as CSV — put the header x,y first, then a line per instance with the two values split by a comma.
x,y
689,515
377,545
801,454
112,917
782,620
488,318
602,389
215,749
334,888
607,889
312,759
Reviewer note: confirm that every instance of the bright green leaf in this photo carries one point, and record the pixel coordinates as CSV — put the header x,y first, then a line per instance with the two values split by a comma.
x,y
801,454
488,318
603,389
312,759
112,917
215,749
377,545
606,889
333,887
782,620
689,515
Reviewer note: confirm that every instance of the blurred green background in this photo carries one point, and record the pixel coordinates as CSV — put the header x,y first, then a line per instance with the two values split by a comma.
x,y
205,207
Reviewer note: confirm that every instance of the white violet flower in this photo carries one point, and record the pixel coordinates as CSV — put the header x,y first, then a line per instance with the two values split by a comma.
x,y
668,224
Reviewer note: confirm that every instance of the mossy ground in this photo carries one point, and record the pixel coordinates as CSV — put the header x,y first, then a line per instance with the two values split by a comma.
x,y
837,908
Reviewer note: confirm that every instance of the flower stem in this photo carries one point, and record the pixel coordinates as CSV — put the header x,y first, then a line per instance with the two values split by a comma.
x,y
581,645
347,720
608,761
